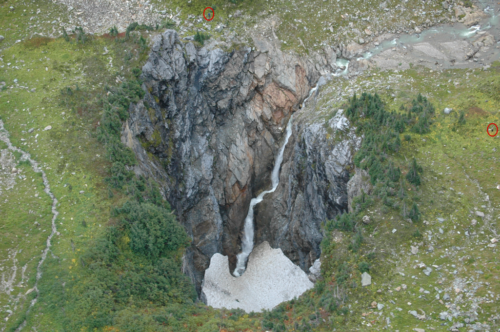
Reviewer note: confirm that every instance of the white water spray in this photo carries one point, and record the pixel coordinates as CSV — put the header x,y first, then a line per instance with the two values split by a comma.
x,y
248,231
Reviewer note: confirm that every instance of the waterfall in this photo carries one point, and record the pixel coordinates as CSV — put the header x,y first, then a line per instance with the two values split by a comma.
x,y
248,230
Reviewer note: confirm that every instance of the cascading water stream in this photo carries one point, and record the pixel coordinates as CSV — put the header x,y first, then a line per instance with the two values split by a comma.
x,y
248,230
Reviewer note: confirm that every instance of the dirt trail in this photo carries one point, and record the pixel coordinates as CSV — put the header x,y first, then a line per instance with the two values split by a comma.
x,y
4,136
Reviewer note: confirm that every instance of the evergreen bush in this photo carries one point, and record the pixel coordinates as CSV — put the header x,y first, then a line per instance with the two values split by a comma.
x,y
200,37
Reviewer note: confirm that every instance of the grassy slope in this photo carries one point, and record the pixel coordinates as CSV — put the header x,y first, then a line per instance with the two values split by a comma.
x,y
460,166
72,158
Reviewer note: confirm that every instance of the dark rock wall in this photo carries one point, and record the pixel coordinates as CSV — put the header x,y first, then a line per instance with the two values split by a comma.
x,y
208,131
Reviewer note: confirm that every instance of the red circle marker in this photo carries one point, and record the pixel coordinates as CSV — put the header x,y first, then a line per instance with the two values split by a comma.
x,y
213,14
488,129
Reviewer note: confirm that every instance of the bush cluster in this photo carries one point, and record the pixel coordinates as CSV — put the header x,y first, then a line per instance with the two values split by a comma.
x,y
137,259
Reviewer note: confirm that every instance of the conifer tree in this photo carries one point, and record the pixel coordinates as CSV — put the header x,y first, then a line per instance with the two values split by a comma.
x,y
413,174
414,213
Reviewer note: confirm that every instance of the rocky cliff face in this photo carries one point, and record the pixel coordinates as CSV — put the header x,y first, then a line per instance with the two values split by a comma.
x,y
209,129
312,189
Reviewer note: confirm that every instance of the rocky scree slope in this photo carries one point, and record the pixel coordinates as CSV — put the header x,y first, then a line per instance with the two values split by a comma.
x,y
208,131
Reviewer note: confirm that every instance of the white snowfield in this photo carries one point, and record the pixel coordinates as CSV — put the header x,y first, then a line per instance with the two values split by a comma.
x,y
270,278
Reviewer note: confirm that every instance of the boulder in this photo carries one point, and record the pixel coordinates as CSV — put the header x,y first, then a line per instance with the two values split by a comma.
x,y
366,279
315,270
474,18
447,110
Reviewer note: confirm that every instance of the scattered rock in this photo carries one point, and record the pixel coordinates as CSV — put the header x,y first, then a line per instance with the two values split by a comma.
x,y
1,38
380,306
219,28
374,304
31,130
48,128
403,286
417,30
416,315
361,41
445,316
418,330
366,220
480,214
446,297
414,250
398,288
473,222
493,240
447,110
427,271
82,192
366,279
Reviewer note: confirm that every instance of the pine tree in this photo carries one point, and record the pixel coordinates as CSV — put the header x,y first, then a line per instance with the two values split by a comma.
x,y
413,174
393,173
113,31
414,213
65,35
